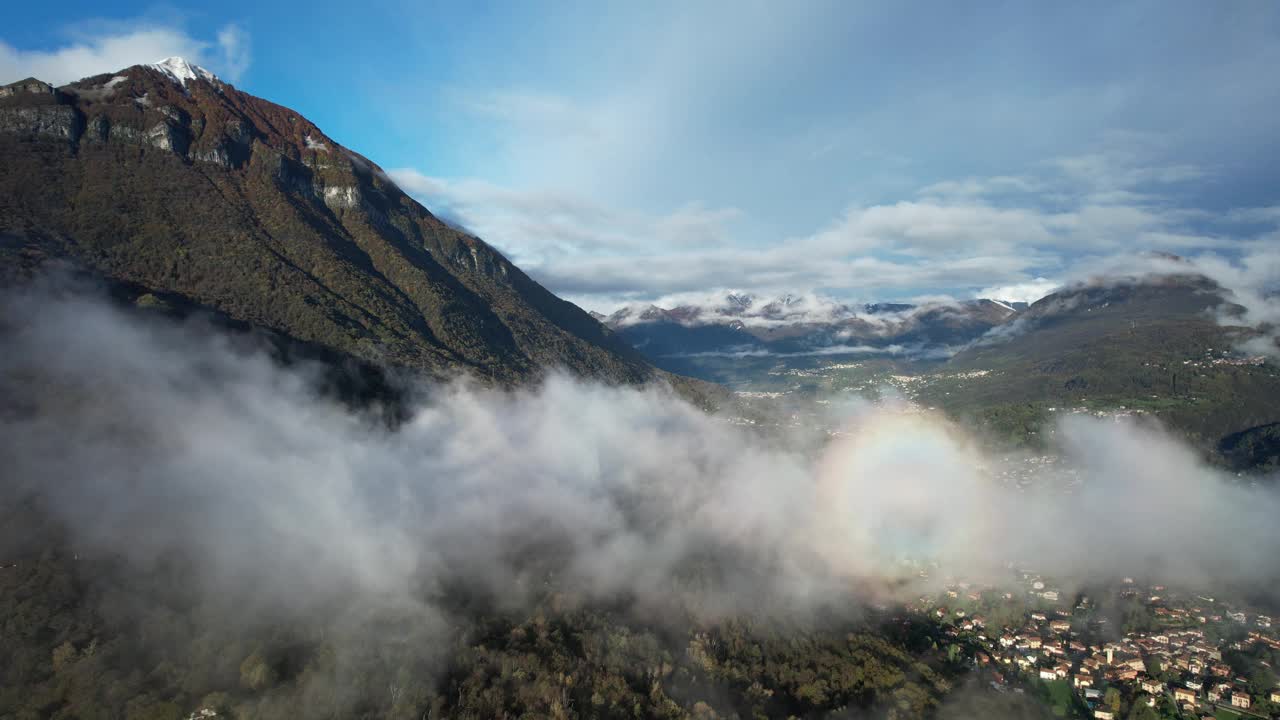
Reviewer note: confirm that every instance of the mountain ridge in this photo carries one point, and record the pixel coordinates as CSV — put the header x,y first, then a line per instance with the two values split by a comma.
x,y
167,177
1159,345
794,324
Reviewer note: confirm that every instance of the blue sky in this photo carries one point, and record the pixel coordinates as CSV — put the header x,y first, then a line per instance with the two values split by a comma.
x,y
665,151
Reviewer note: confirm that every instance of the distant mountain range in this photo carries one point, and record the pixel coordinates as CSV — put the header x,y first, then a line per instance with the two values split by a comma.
x,y
798,324
1165,345
172,182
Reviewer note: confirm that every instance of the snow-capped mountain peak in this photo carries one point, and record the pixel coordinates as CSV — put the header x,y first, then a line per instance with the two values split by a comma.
x,y
180,71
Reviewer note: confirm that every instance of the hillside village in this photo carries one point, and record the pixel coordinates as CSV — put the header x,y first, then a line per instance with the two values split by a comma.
x,y
1134,651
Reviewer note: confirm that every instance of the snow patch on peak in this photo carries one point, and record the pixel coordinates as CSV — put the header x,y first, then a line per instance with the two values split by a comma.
x,y
180,71
313,144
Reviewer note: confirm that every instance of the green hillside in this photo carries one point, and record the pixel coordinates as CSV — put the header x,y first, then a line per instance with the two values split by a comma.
x,y
1153,346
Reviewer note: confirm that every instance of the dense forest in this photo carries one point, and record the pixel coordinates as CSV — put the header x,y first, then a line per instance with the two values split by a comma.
x,y
92,635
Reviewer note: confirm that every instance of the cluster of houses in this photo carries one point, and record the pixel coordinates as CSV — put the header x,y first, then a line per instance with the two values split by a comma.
x,y
1118,413
1039,471
1250,360
1216,357
1253,361
1049,646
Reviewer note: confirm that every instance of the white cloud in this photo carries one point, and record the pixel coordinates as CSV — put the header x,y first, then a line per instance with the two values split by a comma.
x,y
1123,168
1011,234
1254,280
961,242
602,256
235,56
285,499
926,227
1265,215
972,171
120,47
544,227
973,187
1027,292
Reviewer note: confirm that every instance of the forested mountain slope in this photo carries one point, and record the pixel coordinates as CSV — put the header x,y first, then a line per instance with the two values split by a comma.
x,y
165,177
1161,345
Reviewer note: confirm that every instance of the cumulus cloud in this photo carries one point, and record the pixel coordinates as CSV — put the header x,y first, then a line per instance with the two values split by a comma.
x,y
740,100
603,257
542,227
885,190
1027,292
965,239
172,439
1011,238
1254,281
122,46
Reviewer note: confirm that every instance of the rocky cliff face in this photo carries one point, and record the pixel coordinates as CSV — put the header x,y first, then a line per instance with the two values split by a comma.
x,y
166,177
33,109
